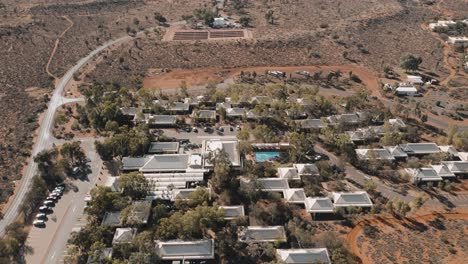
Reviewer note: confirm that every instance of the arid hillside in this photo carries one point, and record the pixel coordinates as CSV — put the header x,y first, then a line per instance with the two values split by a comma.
x,y
345,34
28,33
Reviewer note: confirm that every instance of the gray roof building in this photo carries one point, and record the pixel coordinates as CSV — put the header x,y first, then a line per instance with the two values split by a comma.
x,y
235,112
357,199
111,218
304,256
132,163
232,212
178,107
379,154
204,114
262,234
396,152
268,184
443,171
129,111
163,147
420,148
311,123
166,163
185,250
423,174
140,212
457,167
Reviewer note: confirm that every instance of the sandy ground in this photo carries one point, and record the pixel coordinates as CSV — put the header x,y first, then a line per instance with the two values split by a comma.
x,y
386,223
197,77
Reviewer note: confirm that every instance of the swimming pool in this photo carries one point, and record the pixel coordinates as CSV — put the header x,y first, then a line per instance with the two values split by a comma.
x,y
263,156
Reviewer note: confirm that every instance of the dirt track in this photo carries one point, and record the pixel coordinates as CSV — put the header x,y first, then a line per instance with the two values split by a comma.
x,y
198,77
57,41
353,235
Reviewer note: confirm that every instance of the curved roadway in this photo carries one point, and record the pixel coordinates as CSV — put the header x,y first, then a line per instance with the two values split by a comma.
x,y
44,138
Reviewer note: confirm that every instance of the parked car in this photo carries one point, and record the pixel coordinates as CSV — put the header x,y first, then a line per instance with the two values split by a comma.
x,y
195,130
45,208
41,216
39,223
49,202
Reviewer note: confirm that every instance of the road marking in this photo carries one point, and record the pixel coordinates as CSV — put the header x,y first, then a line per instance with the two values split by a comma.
x,y
74,208
53,256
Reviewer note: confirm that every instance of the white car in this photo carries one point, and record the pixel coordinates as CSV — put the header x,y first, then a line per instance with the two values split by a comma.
x,y
39,223
49,202
45,208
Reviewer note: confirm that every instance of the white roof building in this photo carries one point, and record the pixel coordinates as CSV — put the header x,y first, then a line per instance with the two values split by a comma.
x,y
396,122
289,173
319,205
414,79
441,24
294,195
463,156
306,169
185,250
406,90
396,152
231,147
379,154
457,40
449,149
443,171
124,235
304,256
357,199
420,148
457,167
423,174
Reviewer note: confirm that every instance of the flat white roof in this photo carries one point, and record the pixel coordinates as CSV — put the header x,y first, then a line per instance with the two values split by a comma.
x,y
304,255
358,199
424,174
294,195
185,250
288,173
319,205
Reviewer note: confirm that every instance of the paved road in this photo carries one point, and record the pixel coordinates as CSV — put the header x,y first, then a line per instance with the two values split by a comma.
x,y
44,137
49,243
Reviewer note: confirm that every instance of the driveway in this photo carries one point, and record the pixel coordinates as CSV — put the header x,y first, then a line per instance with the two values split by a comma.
x,y
49,243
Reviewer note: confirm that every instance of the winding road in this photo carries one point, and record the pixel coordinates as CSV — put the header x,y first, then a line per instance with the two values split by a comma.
x,y
44,138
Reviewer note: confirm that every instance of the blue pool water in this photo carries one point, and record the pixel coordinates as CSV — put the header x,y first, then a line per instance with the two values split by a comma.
x,y
263,156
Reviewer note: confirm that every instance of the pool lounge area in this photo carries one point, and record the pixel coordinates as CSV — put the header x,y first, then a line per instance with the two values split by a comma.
x,y
263,156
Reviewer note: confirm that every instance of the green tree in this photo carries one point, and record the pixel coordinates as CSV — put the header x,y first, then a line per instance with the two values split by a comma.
x,y
270,18
222,173
134,185
301,145
160,18
370,186
245,21
73,152
410,62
